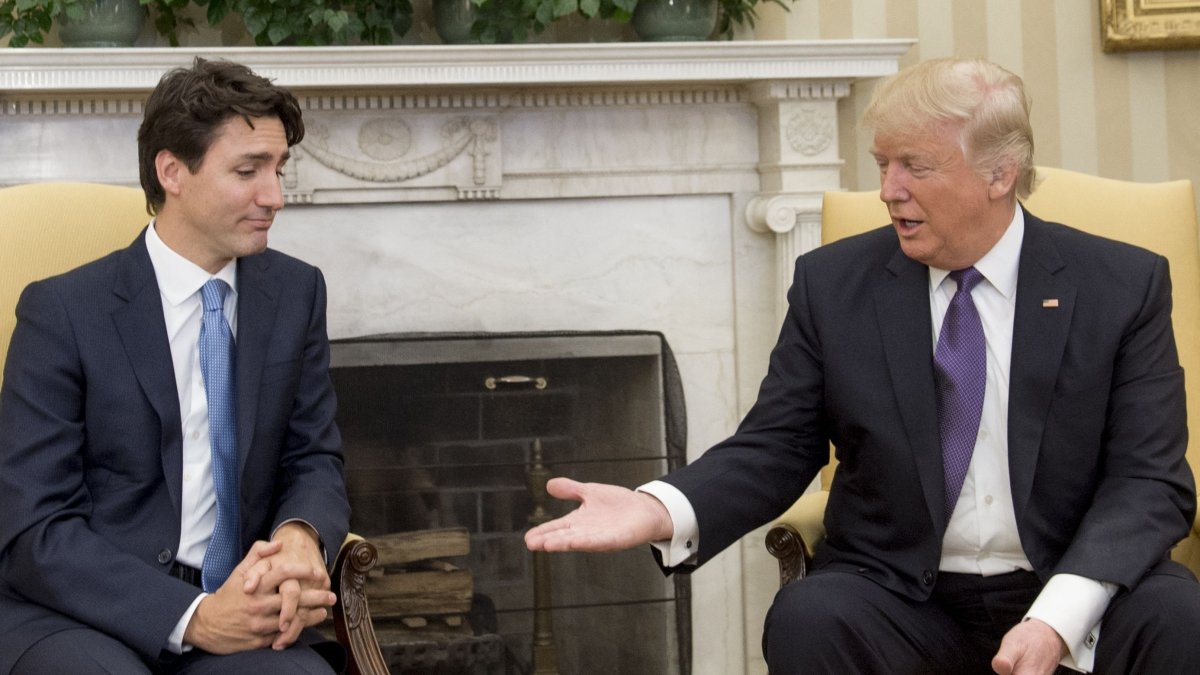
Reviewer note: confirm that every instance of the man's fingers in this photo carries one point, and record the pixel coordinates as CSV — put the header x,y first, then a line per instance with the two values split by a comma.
x,y
289,593
565,488
256,562
282,570
311,611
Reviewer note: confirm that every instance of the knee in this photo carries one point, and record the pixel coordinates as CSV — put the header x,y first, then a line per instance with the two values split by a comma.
x,y
801,612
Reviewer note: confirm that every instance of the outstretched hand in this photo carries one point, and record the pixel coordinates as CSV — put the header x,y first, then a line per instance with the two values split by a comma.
x,y
609,518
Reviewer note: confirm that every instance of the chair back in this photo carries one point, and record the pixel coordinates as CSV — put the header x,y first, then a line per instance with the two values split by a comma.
x,y
1160,217
49,228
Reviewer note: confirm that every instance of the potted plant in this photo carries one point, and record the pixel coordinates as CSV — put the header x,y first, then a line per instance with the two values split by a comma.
x,y
84,23
316,22
515,20
498,21
693,19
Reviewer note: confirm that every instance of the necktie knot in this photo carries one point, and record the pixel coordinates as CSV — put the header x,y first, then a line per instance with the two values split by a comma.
x,y
967,279
212,293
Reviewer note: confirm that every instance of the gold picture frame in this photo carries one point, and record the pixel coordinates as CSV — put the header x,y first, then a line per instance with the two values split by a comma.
x,y
1130,25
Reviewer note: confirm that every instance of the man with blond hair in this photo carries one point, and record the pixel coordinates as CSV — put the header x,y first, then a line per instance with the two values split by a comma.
x,y
1011,474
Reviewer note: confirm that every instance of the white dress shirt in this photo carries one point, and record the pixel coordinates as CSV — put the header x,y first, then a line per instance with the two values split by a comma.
x,y
982,536
179,283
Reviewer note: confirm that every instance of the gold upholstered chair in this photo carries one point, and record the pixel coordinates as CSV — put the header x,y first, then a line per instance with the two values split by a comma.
x,y
1157,216
48,228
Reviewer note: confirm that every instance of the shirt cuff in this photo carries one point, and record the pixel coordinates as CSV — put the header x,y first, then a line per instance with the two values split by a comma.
x,y
1073,606
175,639
681,548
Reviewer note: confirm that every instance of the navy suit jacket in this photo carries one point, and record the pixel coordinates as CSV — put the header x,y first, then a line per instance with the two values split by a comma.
x,y
1096,422
91,454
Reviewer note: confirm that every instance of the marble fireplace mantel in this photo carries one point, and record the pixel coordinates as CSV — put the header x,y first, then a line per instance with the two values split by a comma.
x,y
436,123
590,187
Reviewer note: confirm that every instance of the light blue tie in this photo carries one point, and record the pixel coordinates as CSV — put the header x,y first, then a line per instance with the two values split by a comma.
x,y
217,358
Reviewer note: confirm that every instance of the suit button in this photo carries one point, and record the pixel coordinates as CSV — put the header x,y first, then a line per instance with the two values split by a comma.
x,y
164,556
927,578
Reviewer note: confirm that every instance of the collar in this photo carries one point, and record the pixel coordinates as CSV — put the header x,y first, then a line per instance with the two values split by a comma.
x,y
999,265
179,278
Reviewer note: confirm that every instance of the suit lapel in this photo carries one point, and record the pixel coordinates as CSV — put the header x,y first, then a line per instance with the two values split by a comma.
x,y
258,300
143,333
908,347
1040,328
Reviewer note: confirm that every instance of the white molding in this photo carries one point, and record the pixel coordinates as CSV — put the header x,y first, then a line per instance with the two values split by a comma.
x,y
335,68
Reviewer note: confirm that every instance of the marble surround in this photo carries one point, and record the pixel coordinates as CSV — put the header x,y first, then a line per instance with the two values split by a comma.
x,y
526,188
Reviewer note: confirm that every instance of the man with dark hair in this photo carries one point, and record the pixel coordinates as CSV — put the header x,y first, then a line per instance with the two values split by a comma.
x,y
1011,479
170,471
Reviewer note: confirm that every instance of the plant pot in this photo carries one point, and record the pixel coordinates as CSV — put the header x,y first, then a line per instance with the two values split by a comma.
x,y
452,19
675,20
106,23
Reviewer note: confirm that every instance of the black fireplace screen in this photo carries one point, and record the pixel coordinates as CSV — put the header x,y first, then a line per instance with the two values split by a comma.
x,y
445,430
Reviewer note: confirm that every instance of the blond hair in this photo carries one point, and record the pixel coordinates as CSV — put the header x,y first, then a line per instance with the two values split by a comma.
x,y
985,101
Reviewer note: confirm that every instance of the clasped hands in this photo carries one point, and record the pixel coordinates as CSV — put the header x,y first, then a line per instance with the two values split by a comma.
x,y
277,590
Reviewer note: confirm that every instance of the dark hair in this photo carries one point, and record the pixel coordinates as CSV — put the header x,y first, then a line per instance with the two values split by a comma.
x,y
187,107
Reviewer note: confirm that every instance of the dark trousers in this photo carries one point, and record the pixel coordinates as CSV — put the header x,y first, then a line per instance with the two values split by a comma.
x,y
84,651
840,622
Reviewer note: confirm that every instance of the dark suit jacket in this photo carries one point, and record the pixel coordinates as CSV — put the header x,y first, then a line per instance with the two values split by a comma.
x,y
90,444
1096,423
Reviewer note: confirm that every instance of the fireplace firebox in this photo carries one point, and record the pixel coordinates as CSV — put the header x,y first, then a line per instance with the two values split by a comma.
x,y
447,430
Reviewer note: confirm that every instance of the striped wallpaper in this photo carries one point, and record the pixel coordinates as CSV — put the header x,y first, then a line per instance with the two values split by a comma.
x,y
1132,116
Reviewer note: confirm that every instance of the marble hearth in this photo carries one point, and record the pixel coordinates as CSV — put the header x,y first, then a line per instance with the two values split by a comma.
x,y
586,187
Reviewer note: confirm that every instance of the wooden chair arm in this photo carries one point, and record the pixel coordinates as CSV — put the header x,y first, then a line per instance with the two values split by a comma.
x,y
351,618
794,536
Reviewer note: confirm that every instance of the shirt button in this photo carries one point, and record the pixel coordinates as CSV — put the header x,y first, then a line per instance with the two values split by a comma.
x,y
687,544
927,578
987,499
982,433
195,435
164,556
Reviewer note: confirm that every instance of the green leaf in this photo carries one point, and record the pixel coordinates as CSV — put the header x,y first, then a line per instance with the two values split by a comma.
x,y
565,7
255,21
545,12
589,8
338,20
278,33
217,11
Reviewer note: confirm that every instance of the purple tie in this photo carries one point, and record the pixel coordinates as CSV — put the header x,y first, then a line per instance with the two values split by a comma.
x,y
960,368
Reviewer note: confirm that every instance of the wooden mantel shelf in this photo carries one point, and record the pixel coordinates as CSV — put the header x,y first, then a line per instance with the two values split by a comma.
x,y
50,71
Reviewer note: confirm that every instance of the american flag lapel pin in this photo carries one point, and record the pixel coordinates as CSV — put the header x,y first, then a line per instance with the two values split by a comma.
x,y
1050,303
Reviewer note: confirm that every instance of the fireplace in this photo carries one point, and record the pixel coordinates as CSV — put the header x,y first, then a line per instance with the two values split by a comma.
x,y
512,189
450,430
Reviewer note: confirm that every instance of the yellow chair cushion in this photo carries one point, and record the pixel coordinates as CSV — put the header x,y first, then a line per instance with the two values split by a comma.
x,y
50,228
